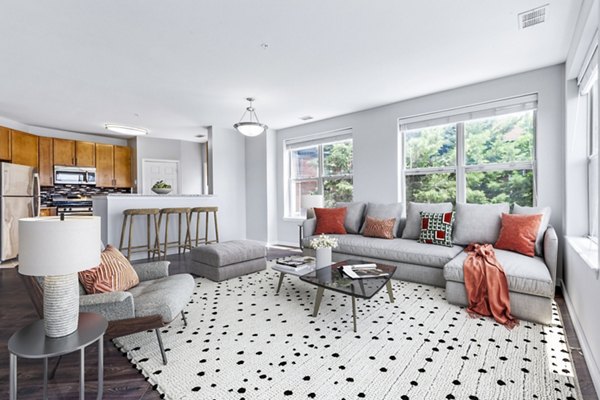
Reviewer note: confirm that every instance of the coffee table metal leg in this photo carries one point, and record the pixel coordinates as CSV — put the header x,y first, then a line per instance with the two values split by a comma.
x,y
100,367
13,377
320,291
389,290
281,274
354,312
45,393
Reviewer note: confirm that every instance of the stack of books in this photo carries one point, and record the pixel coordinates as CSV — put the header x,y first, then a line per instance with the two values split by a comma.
x,y
363,271
295,264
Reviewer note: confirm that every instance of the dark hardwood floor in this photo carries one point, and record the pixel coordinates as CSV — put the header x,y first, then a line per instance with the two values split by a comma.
x,y
121,380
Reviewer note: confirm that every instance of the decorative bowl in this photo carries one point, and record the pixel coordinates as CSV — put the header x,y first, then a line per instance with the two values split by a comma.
x,y
162,190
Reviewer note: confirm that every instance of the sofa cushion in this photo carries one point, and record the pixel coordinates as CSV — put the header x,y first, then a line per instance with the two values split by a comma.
x,y
478,223
114,273
384,211
436,228
354,216
330,220
547,212
226,253
396,250
518,233
165,296
379,228
412,228
528,275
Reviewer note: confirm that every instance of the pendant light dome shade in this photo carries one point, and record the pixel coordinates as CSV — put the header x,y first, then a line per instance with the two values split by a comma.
x,y
253,127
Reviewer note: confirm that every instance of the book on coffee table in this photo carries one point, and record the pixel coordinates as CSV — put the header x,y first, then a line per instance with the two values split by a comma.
x,y
293,262
363,271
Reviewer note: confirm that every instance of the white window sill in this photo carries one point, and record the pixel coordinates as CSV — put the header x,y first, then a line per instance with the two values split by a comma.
x,y
297,220
586,248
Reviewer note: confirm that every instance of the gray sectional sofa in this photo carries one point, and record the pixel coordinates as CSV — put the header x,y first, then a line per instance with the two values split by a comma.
x,y
531,280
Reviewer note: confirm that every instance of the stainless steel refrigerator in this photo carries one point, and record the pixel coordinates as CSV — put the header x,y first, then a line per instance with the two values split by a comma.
x,y
19,198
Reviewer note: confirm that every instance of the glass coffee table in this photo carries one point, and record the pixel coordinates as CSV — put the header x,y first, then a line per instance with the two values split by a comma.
x,y
332,278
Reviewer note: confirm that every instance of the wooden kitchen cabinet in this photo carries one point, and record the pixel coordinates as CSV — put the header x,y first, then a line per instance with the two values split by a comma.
x,y
122,166
5,147
46,161
24,148
85,154
104,165
64,152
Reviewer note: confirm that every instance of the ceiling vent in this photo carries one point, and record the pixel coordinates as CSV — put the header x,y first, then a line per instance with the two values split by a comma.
x,y
533,17
306,118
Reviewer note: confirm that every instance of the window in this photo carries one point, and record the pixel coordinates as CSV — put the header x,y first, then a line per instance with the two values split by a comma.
x,y
483,155
322,165
593,160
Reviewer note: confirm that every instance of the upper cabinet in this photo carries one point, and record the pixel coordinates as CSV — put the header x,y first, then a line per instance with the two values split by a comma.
x,y
24,148
64,152
85,154
5,147
46,161
104,165
122,167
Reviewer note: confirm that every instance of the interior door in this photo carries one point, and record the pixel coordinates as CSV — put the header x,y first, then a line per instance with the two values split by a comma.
x,y
13,208
160,170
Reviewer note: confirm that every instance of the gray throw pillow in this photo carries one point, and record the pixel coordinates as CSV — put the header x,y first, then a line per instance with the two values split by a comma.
x,y
384,211
547,212
412,230
354,216
478,223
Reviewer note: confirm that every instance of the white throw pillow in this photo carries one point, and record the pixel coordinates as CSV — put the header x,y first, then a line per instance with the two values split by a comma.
x,y
547,212
412,229
478,223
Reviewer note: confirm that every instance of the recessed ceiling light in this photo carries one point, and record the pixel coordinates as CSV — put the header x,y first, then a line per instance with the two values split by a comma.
x,y
306,118
126,130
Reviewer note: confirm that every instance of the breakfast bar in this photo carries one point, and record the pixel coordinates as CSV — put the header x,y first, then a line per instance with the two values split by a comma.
x,y
110,208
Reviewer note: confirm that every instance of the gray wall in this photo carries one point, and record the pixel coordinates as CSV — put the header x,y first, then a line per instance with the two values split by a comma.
x,y
376,140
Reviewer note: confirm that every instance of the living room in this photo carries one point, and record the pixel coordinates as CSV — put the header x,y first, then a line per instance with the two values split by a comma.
x,y
376,108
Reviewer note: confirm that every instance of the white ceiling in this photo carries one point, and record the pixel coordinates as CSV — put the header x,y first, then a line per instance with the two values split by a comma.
x,y
175,67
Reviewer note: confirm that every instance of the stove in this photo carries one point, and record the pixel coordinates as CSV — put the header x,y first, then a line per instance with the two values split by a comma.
x,y
73,206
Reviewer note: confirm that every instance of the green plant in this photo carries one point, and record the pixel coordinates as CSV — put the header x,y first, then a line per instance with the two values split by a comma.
x,y
161,185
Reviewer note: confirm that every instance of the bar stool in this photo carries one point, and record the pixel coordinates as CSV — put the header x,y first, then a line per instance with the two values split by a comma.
x,y
180,212
129,214
207,210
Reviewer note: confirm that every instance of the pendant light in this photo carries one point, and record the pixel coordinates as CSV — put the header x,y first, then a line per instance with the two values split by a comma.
x,y
253,127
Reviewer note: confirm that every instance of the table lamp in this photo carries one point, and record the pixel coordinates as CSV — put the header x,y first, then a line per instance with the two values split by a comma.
x,y
309,202
57,249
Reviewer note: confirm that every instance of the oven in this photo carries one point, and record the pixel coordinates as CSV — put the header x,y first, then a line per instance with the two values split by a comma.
x,y
74,207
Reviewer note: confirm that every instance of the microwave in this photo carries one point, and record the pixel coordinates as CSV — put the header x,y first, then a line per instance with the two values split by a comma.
x,y
74,175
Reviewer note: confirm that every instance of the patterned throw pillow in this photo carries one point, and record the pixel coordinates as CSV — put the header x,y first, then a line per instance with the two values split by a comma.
x,y
436,228
114,273
379,228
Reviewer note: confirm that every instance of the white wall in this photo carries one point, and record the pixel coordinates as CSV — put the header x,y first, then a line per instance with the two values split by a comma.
x,y
375,132
187,153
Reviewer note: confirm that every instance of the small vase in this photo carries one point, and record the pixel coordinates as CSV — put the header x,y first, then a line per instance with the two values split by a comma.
x,y
323,257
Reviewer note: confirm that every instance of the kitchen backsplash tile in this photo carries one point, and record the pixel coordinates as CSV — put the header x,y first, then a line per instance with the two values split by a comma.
x,y
48,192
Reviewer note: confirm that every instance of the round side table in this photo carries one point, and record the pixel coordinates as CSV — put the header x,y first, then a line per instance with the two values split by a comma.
x,y
32,342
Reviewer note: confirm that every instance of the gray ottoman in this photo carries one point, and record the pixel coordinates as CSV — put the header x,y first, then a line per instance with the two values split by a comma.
x,y
220,261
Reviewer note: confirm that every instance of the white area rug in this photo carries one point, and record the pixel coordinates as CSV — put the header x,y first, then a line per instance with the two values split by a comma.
x,y
245,342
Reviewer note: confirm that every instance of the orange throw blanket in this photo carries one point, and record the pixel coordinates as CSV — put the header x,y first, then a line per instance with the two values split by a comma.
x,y
486,284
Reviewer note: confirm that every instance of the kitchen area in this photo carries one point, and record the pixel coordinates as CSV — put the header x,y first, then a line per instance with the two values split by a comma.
x,y
49,176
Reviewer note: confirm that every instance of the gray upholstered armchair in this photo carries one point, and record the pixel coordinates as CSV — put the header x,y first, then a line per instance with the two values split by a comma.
x,y
156,301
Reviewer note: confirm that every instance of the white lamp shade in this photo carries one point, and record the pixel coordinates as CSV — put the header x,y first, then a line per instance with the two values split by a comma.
x,y
311,201
49,246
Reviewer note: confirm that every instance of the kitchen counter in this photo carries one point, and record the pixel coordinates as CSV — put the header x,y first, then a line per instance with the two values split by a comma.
x,y
138,195
110,208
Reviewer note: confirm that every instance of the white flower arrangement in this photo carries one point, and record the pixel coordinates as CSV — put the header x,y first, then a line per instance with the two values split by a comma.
x,y
323,241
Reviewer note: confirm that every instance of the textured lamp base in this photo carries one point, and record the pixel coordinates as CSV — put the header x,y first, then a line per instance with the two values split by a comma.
x,y
61,305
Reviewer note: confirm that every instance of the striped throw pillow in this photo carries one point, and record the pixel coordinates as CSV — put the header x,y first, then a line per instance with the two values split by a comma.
x,y
114,273
379,228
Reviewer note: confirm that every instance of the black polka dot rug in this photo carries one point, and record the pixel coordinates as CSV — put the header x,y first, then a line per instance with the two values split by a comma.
x,y
244,341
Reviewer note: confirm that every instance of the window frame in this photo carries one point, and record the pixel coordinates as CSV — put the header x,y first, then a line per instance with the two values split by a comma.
x,y
592,155
321,178
461,169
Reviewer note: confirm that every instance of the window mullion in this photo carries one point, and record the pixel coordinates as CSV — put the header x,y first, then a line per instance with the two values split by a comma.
x,y
461,178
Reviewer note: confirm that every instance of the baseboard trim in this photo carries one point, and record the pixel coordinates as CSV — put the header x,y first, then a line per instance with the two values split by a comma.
x,y
585,348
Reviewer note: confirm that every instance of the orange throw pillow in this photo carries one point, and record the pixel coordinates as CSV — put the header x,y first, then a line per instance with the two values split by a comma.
x,y
114,273
330,220
518,233
379,228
